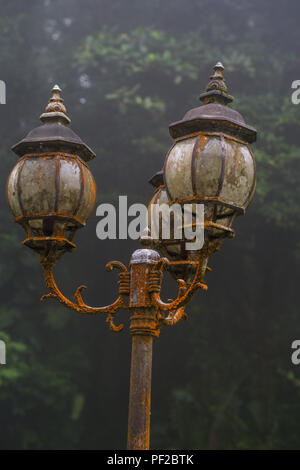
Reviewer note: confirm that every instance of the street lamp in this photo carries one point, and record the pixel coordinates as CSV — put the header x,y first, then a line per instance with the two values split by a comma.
x,y
51,193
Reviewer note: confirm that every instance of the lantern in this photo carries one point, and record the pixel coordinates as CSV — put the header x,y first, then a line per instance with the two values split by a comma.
x,y
209,163
51,191
172,247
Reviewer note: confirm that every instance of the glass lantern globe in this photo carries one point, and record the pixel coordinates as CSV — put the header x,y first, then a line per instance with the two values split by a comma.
x,y
168,247
181,261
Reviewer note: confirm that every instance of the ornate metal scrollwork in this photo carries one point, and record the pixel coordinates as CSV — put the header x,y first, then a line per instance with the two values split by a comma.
x,y
175,308
48,262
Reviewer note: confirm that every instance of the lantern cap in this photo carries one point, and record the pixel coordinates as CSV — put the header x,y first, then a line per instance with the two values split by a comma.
x,y
214,115
216,89
55,110
54,134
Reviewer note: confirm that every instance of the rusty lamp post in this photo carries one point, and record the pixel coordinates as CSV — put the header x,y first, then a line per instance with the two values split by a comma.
x,y
51,193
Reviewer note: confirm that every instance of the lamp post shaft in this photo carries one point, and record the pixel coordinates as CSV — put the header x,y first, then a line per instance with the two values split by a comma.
x,y
143,326
140,393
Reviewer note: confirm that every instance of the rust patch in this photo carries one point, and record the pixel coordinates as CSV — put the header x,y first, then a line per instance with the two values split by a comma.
x,y
201,143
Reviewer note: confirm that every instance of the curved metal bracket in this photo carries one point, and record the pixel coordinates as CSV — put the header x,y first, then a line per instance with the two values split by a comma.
x,y
184,293
173,317
48,263
174,308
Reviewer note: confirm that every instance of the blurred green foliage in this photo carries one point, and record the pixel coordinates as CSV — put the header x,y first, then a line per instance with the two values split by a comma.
x,y
128,68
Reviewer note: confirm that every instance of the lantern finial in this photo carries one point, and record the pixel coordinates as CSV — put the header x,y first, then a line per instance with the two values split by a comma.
x,y
216,89
55,110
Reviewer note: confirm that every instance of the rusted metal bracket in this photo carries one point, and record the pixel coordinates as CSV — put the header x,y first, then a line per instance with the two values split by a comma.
x,y
48,262
185,292
174,317
139,289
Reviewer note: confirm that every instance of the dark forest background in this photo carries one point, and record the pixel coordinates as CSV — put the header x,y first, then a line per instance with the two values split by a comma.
x,y
224,379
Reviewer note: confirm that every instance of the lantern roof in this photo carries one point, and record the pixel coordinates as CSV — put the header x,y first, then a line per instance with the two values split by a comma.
x,y
54,134
214,115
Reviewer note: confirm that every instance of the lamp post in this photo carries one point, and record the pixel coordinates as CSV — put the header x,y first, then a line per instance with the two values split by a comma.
x,y
51,193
